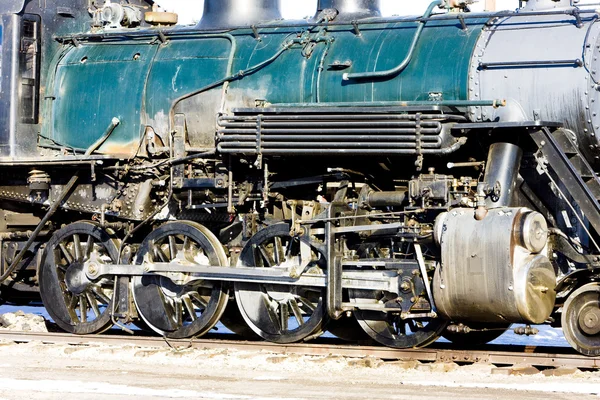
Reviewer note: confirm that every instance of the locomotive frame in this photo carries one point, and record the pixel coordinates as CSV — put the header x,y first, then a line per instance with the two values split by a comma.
x,y
147,181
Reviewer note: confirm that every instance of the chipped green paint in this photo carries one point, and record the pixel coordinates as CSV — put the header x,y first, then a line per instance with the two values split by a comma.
x,y
138,81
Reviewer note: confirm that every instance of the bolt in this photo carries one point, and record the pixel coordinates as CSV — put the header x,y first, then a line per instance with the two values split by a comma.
x,y
93,269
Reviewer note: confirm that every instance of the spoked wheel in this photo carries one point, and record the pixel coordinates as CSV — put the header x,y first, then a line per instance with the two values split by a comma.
x,y
482,334
75,303
581,319
187,307
389,328
280,313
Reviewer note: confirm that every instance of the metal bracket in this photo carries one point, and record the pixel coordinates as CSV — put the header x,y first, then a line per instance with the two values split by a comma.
x,y
255,33
357,31
418,136
259,157
179,150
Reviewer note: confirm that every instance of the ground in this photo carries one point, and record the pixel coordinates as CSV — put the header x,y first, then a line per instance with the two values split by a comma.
x,y
40,371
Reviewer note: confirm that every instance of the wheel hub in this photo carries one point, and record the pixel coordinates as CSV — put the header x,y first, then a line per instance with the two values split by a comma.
x,y
76,279
589,319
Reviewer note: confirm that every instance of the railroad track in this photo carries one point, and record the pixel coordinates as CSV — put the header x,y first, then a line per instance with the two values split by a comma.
x,y
496,355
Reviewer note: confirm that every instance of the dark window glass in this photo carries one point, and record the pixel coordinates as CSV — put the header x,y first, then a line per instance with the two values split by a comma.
x,y
29,73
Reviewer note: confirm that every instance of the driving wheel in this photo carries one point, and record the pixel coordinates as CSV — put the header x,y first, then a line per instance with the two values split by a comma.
x,y
388,328
281,313
184,307
75,303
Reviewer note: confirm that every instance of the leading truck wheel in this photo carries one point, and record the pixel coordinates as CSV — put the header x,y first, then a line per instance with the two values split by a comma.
x,y
75,303
581,319
187,307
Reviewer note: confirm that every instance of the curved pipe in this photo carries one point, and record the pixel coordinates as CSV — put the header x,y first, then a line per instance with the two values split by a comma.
x,y
395,71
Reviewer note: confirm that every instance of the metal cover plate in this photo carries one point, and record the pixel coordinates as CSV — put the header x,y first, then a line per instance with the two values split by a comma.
x,y
12,7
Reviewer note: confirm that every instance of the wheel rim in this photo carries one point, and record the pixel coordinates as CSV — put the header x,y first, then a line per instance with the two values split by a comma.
x,y
279,313
187,308
581,319
76,304
389,328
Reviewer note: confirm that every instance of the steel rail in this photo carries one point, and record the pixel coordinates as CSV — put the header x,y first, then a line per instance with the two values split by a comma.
x,y
529,355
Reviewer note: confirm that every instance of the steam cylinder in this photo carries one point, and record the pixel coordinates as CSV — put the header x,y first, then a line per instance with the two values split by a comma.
x,y
229,13
494,270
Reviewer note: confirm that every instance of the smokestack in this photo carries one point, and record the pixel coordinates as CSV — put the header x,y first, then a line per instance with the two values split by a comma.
x,y
228,13
490,5
352,9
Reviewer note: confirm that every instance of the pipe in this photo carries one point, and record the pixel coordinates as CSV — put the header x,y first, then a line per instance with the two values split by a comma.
x,y
395,71
267,118
387,199
331,145
501,171
324,132
325,124
252,138
444,103
344,152
152,34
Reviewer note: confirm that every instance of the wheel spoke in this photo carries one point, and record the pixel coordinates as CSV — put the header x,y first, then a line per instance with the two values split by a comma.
x,y
72,302
77,247
284,315
172,247
194,296
297,312
189,306
178,312
93,304
273,317
89,246
82,309
99,293
307,304
160,254
278,252
67,254
266,257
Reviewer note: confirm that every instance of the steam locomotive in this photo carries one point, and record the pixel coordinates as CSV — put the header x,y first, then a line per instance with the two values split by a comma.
x,y
396,178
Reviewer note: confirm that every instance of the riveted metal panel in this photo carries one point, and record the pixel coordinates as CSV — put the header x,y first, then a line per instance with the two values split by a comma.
x,y
95,83
546,68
